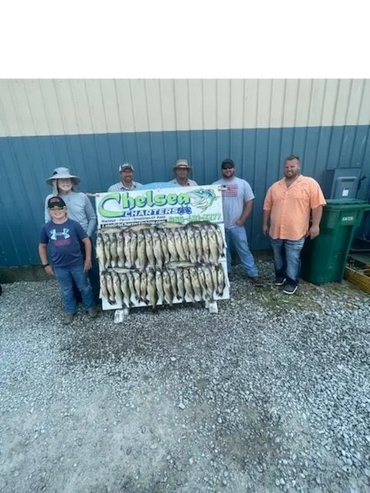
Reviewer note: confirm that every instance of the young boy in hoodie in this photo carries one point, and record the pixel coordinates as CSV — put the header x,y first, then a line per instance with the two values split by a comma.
x,y
63,236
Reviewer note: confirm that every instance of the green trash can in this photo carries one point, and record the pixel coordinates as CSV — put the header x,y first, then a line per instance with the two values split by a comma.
x,y
324,258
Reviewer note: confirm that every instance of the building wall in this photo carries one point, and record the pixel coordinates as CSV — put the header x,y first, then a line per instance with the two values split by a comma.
x,y
91,126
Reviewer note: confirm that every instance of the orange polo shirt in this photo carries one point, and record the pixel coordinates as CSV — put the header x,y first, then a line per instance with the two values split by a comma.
x,y
291,207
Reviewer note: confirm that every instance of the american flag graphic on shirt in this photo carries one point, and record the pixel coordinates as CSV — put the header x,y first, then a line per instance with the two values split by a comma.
x,y
230,190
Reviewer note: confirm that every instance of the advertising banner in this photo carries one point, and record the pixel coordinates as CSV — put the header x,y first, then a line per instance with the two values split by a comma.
x,y
161,246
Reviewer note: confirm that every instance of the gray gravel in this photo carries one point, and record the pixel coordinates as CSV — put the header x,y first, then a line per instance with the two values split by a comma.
x,y
271,394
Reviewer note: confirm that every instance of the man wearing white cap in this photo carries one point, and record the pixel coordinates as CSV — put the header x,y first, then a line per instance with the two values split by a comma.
x,y
126,171
182,169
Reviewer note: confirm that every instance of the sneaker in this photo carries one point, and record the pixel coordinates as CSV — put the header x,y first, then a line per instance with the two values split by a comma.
x,y
290,289
67,319
257,281
92,312
280,281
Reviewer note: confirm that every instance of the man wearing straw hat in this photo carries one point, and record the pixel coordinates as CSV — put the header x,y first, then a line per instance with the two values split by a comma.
x,y
182,169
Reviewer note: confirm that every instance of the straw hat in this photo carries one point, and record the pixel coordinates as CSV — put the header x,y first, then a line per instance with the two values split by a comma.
x,y
182,163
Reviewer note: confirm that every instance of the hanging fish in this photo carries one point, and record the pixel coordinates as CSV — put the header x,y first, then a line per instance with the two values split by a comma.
x,y
220,280
195,282
100,252
185,243
220,241
120,252
191,243
131,286
113,249
143,287
171,246
125,290
213,270
203,285
164,244
111,295
117,287
159,285
133,248
209,282
141,251
173,281
205,244
167,288
213,246
137,283
107,250
198,244
127,248
180,284
103,287
179,247
188,286
152,290
157,249
149,248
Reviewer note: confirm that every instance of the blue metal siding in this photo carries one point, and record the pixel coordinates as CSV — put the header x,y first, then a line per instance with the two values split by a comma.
x,y
27,161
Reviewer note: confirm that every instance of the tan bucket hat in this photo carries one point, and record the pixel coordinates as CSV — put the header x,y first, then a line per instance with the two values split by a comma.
x,y
182,163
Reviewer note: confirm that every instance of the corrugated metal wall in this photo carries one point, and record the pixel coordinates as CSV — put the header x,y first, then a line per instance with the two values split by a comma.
x,y
91,126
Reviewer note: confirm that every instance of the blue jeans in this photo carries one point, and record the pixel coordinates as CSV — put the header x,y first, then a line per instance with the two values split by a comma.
x,y
237,237
65,277
287,260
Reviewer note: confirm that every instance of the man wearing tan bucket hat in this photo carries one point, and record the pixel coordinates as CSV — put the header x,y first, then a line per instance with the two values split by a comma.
x,y
182,169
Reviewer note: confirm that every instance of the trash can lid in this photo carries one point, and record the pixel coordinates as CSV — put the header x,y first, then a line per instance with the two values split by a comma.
x,y
347,203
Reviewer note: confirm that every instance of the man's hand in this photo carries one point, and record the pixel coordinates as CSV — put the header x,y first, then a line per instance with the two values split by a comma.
x,y
239,222
49,270
313,232
265,230
87,265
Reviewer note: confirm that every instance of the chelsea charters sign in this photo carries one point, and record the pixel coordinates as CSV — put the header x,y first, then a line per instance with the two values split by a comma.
x,y
179,204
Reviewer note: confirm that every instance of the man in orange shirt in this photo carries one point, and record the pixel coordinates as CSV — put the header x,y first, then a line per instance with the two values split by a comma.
x,y
286,217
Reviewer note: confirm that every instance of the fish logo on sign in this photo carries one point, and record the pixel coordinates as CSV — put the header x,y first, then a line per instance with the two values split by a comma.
x,y
203,199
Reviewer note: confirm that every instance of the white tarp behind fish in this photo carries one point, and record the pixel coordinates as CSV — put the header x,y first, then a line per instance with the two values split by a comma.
x,y
164,246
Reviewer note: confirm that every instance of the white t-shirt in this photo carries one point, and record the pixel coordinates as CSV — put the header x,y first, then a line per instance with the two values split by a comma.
x,y
235,193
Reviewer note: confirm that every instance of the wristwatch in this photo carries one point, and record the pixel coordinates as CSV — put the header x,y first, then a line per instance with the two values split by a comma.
x,y
45,265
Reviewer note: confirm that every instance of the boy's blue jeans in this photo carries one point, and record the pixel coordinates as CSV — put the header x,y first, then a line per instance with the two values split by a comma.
x,y
65,277
287,261
237,237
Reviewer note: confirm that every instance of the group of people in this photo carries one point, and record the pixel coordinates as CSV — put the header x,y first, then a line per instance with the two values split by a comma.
x,y
289,205
181,169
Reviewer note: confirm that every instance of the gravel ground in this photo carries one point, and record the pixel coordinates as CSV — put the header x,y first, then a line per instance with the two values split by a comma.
x,y
270,394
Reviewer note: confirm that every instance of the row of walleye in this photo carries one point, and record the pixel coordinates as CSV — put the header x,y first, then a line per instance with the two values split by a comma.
x,y
147,245
178,282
